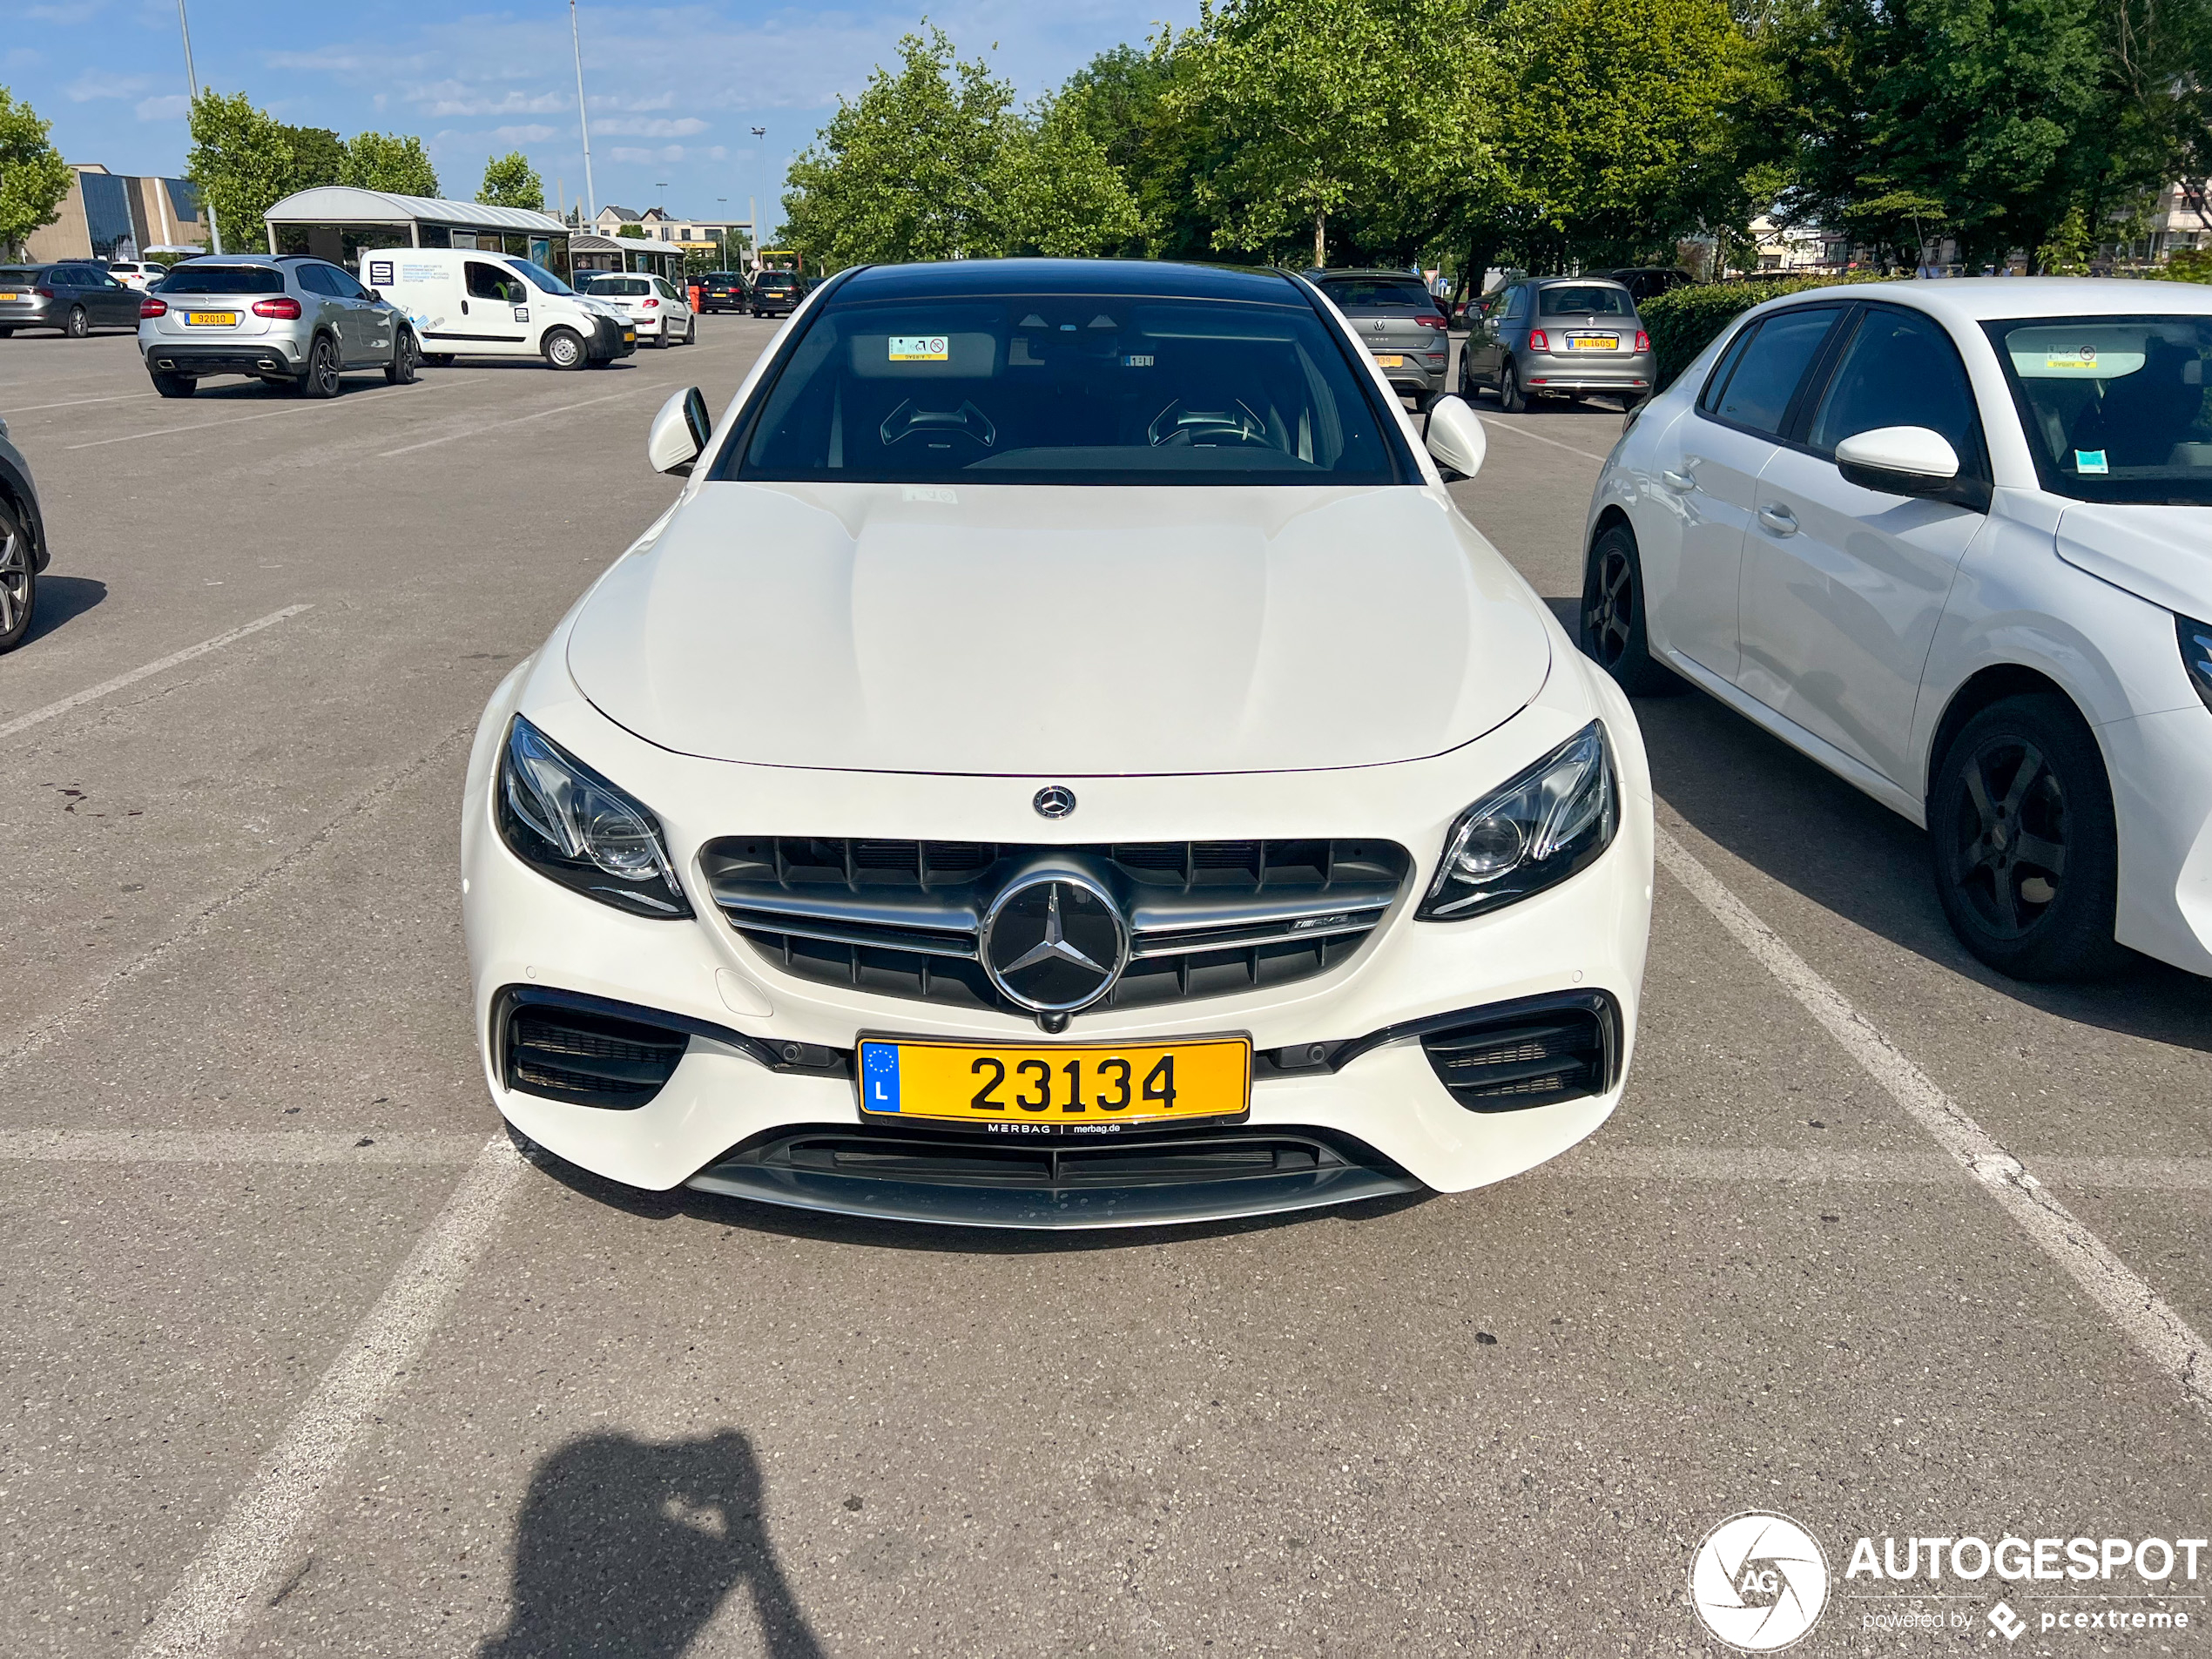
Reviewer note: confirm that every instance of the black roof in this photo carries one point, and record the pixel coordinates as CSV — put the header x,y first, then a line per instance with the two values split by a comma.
x,y
1133,278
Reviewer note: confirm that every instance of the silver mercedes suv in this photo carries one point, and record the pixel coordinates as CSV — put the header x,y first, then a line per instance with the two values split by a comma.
x,y
294,323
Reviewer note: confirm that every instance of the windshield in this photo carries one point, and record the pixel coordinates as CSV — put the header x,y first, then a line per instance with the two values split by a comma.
x,y
544,279
1065,388
1586,299
1379,293
223,279
2114,407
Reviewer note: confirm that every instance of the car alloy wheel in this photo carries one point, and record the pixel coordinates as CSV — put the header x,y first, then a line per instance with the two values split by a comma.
x,y
78,324
1511,398
407,357
321,378
18,580
1612,627
2021,831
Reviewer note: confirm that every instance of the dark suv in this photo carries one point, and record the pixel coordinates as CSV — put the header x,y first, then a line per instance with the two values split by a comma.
x,y
777,293
1401,322
722,291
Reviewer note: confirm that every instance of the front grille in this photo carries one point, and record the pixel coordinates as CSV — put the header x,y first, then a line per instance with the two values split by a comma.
x,y
589,1059
988,1181
901,918
1535,1059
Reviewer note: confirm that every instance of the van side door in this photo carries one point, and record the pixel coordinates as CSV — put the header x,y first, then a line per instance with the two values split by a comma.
x,y
495,310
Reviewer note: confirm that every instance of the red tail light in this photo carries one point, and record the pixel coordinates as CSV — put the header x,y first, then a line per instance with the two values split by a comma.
x,y
1643,341
285,306
652,305
1539,341
151,306
44,293
1430,321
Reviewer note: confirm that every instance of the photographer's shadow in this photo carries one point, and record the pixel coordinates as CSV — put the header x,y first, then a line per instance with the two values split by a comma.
x,y
626,1548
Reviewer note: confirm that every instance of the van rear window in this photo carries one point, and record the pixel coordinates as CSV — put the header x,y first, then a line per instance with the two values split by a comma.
x,y
223,279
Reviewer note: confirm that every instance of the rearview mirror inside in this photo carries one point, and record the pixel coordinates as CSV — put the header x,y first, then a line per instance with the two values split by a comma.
x,y
1456,438
679,433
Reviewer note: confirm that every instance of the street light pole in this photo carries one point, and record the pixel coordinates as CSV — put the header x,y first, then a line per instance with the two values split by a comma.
x,y
583,126
760,177
191,85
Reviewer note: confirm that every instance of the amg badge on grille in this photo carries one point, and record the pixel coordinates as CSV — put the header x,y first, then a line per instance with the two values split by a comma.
x,y
1053,800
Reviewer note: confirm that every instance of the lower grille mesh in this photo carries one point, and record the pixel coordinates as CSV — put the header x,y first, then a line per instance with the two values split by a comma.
x,y
589,1059
1537,1060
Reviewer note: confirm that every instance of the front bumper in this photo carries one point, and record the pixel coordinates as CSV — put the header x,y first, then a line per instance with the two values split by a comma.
x,y
762,1062
2161,766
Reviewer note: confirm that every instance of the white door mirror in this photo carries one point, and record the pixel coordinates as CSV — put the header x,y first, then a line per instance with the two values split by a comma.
x,y
679,433
1456,438
1898,461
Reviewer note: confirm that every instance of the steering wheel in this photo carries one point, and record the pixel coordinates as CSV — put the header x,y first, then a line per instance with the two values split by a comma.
x,y
966,422
1177,427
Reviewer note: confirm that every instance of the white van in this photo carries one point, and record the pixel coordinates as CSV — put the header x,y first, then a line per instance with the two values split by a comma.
x,y
465,302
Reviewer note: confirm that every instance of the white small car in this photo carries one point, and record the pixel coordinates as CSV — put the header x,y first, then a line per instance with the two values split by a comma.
x,y
658,308
1063,761
1954,541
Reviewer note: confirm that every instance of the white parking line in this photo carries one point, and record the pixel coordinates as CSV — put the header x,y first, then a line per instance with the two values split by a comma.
x,y
93,693
258,1536
2159,1333
1496,425
493,426
232,1146
76,402
376,395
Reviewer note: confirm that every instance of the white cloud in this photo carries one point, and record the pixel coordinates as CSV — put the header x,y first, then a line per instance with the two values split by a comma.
x,y
666,153
629,128
95,84
173,107
532,134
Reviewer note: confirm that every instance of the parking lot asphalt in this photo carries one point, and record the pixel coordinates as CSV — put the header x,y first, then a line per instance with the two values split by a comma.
x,y
299,1356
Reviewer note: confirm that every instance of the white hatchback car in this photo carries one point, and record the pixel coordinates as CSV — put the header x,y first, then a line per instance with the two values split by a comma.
x,y
1954,541
1062,760
655,305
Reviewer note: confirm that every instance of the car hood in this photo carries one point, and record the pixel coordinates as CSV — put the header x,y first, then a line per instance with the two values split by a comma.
x,y
2161,553
1042,630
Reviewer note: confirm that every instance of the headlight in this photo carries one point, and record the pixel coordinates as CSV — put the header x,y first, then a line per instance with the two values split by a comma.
x,y
1531,833
567,822
2197,654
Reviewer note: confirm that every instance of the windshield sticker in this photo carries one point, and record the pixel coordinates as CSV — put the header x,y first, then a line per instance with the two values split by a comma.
x,y
2097,352
2072,357
919,348
2089,460
1143,361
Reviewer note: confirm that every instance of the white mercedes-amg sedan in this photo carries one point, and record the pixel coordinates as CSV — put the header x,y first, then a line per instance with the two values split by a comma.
x,y
1063,761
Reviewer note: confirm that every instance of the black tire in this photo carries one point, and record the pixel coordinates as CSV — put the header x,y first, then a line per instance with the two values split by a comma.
x,y
563,349
2025,849
691,332
438,358
18,577
77,325
321,378
175,385
1610,623
660,339
1511,398
406,360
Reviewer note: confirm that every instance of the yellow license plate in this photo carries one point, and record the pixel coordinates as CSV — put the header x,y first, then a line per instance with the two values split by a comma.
x,y
212,319
10,296
1055,1088
1389,362
1594,342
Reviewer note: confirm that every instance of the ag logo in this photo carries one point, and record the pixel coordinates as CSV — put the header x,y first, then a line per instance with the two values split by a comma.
x,y
1758,1582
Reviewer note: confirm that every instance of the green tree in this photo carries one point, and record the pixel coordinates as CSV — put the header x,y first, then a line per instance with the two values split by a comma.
x,y
389,161
510,181
1136,105
33,177
318,157
636,232
1057,193
905,171
241,162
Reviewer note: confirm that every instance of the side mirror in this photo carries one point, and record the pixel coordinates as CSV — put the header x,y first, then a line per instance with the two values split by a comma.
x,y
375,298
679,433
1455,437
1898,461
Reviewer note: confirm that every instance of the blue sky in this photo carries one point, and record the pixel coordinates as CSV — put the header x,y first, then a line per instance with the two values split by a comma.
x,y
674,92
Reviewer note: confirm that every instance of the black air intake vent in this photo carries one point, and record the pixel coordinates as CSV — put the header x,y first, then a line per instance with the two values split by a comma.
x,y
589,1059
900,918
1536,1058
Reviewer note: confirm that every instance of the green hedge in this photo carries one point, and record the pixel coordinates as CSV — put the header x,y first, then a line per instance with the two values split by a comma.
x,y
1684,321
2192,265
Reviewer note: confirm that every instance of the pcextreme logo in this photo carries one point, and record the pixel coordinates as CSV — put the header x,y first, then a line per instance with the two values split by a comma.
x,y
1758,1582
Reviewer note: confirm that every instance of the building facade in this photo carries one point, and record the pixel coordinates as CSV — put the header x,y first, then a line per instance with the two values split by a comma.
x,y
120,216
693,235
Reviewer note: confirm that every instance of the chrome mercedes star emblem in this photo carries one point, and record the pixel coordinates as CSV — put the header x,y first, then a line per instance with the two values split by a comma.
x,y
1053,800
1054,943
